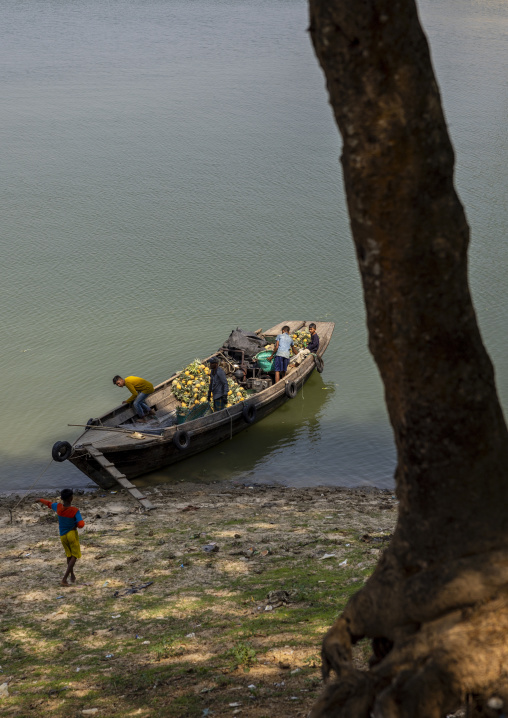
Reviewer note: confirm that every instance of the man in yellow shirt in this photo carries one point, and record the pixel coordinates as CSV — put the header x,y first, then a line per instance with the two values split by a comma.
x,y
140,389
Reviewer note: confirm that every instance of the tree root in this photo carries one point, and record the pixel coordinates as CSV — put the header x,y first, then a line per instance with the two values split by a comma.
x,y
427,672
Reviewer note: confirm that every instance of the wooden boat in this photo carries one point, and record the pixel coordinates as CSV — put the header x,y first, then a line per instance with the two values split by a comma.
x,y
119,449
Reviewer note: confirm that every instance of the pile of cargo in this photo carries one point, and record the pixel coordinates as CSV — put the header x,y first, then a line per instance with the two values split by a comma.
x,y
191,386
301,338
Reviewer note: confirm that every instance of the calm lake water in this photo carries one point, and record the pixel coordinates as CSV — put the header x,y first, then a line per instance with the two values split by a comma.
x,y
169,172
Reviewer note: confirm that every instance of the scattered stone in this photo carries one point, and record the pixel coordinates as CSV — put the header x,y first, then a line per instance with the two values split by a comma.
x,y
279,598
211,548
367,538
495,703
134,589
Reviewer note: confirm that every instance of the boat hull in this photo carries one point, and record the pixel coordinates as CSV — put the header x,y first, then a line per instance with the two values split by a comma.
x,y
140,460
135,458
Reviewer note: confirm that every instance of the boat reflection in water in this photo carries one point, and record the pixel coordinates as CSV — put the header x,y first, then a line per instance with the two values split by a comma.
x,y
255,454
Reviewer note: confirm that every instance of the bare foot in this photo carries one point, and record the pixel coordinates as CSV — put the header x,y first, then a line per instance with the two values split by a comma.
x,y
64,583
73,578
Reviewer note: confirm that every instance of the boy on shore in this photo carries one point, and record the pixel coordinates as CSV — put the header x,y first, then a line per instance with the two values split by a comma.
x,y
69,520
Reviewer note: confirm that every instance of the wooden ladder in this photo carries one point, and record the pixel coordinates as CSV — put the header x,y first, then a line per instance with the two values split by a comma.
x,y
118,476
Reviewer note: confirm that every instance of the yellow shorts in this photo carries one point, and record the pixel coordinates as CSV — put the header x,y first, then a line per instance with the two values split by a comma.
x,y
71,545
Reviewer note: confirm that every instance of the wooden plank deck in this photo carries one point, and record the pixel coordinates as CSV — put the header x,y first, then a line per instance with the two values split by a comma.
x,y
324,330
277,329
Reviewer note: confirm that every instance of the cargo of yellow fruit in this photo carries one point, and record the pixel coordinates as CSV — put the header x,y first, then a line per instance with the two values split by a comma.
x,y
301,338
194,389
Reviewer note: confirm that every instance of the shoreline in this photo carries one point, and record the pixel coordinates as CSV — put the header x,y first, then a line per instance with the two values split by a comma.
x,y
230,484
233,628
217,485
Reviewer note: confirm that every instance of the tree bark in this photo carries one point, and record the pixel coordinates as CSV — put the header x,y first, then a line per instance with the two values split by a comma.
x,y
436,606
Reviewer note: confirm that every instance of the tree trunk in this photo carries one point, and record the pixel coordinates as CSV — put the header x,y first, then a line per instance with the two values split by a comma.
x,y
436,606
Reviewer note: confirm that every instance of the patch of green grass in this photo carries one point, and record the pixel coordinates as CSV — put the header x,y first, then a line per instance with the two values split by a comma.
x,y
242,655
186,705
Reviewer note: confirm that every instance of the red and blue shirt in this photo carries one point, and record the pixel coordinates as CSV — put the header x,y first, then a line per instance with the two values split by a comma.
x,y
69,517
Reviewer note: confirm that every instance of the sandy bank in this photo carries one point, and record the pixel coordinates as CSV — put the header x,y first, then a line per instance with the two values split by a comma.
x,y
226,632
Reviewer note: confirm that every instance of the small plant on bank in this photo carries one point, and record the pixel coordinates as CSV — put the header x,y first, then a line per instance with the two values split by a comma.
x,y
243,655
312,661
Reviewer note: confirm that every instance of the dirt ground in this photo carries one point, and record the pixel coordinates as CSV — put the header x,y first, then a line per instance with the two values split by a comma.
x,y
243,582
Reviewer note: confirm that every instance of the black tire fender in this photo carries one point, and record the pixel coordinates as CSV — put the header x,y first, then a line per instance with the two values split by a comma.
x,y
61,451
92,422
291,389
249,412
320,365
181,439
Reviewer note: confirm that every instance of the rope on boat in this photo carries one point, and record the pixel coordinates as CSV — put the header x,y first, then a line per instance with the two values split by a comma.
x,y
132,432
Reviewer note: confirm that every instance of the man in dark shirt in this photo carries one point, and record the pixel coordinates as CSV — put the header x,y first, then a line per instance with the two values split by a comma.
x,y
218,385
313,345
